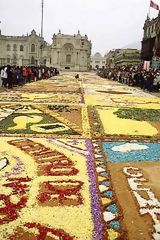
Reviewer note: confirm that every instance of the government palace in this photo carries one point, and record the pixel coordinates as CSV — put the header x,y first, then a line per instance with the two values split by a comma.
x,y
66,51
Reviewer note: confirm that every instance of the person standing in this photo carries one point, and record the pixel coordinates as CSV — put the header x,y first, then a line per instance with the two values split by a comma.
x,y
5,77
24,74
9,76
156,83
29,74
1,77
142,81
149,83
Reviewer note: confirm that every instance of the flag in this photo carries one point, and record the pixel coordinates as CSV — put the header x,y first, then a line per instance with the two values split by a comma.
x,y
146,65
154,5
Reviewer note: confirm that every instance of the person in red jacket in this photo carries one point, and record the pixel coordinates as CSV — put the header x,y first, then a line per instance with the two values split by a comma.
x,y
29,74
24,73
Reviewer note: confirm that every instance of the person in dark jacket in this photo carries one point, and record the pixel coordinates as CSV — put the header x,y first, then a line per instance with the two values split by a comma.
x,y
149,82
9,77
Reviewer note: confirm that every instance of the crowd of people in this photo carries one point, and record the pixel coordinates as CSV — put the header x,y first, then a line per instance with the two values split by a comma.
x,y
134,76
16,76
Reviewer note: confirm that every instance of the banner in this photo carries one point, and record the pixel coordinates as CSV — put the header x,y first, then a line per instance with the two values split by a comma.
x,y
146,65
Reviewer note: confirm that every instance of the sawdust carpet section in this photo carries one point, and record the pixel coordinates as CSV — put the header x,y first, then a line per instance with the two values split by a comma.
x,y
79,160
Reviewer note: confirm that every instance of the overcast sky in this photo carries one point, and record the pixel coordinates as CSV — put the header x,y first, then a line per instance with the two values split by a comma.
x,y
109,24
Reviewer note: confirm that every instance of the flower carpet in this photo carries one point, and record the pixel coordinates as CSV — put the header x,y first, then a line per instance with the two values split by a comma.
x,y
79,160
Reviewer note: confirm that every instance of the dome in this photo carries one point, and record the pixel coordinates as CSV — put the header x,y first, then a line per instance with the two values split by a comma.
x,y
97,55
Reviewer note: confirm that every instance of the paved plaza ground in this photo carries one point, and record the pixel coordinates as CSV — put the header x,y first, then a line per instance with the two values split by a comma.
x,y
79,160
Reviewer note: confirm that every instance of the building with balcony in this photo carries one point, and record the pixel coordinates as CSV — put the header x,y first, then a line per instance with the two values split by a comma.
x,y
127,56
151,41
120,57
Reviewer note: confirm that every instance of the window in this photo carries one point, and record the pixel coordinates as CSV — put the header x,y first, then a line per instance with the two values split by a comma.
x,y
8,47
68,58
68,47
97,66
8,60
32,61
21,48
33,48
14,60
14,47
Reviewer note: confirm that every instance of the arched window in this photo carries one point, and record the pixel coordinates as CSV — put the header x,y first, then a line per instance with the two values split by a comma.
x,y
14,47
68,47
21,48
33,48
68,58
45,61
14,60
8,47
32,60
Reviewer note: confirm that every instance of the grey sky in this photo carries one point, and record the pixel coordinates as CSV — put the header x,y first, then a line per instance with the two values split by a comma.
x,y
108,23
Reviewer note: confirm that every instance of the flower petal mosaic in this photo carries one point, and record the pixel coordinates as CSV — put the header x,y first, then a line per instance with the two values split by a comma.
x,y
77,163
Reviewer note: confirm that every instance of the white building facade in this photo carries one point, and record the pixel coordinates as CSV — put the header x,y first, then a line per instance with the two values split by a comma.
x,y
97,61
66,52
23,50
71,52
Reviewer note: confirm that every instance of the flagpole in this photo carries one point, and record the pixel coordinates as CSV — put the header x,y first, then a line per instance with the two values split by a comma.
x,y
149,9
41,47
42,18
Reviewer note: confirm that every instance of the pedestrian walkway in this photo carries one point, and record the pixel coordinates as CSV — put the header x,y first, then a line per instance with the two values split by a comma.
x,y
79,160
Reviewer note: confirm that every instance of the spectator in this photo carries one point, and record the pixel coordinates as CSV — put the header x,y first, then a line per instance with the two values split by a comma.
x,y
14,76
133,76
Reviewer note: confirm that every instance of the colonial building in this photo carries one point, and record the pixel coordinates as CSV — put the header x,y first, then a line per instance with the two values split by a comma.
x,y
71,52
97,61
151,41
65,52
110,58
23,50
120,57
127,56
